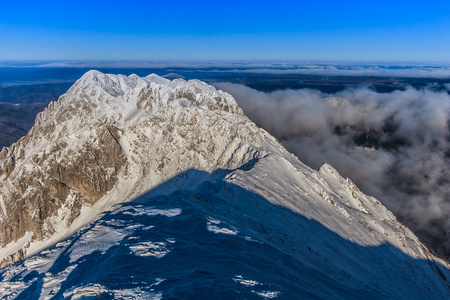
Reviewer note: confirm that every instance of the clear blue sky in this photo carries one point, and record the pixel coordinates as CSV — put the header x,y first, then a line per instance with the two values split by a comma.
x,y
232,30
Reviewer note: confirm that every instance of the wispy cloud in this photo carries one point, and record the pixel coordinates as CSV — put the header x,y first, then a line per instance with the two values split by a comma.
x,y
408,70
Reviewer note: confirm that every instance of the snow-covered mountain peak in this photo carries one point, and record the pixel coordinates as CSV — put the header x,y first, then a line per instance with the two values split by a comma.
x,y
123,101
113,138
140,91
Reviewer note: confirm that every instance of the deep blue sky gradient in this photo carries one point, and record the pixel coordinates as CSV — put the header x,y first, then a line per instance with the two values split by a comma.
x,y
231,30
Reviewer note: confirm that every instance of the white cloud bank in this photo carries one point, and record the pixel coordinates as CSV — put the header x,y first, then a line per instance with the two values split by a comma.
x,y
395,145
395,70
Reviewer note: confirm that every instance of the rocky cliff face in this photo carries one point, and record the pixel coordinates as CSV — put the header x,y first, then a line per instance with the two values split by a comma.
x,y
114,135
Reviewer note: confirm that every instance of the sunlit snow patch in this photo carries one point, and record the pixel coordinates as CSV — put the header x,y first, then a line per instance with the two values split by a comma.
x,y
250,239
99,238
11,289
211,225
148,211
91,290
254,284
239,279
268,294
156,249
136,293
53,282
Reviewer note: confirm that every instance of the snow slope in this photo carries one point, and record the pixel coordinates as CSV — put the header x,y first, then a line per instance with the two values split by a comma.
x,y
107,140
232,238
225,211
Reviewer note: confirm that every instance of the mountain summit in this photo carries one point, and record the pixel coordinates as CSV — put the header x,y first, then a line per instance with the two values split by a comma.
x,y
195,161
109,139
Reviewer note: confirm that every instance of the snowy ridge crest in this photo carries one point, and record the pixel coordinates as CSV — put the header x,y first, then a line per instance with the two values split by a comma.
x,y
112,138
109,139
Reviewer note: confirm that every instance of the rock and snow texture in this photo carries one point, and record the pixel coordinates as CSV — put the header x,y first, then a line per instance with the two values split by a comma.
x,y
107,140
225,211
263,231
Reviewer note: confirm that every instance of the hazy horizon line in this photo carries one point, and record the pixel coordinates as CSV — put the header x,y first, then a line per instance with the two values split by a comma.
x,y
314,68
125,62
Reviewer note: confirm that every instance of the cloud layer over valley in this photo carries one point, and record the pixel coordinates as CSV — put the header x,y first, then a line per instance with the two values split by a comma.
x,y
395,146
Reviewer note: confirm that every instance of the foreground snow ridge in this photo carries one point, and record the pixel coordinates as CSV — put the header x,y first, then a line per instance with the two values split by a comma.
x,y
214,200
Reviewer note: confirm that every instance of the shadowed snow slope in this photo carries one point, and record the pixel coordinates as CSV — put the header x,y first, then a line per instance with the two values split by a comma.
x,y
226,211
219,240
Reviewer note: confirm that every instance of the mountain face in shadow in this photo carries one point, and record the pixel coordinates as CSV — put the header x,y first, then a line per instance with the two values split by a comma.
x,y
221,241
